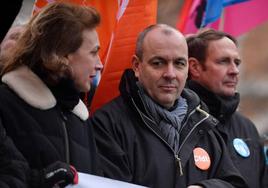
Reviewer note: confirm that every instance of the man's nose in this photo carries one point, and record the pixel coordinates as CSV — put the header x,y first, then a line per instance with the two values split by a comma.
x,y
169,71
234,68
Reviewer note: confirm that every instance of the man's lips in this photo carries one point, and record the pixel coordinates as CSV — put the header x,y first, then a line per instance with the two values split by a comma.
x,y
230,83
168,87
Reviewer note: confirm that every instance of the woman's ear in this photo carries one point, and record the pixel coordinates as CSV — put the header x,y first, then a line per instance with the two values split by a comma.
x,y
194,67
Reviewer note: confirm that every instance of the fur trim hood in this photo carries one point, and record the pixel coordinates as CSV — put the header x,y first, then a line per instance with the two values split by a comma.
x,y
28,86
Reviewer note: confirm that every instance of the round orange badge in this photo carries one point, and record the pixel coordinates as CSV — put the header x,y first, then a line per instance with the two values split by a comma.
x,y
201,158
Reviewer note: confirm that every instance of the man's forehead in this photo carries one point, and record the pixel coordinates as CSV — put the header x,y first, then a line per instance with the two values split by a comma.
x,y
162,36
222,50
224,40
164,30
15,31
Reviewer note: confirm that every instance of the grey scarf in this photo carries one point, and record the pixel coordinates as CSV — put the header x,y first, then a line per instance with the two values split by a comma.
x,y
169,122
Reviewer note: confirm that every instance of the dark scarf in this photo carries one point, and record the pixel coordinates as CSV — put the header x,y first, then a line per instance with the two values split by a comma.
x,y
64,91
66,94
220,107
168,120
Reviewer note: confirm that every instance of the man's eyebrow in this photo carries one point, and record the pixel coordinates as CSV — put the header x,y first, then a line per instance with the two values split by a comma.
x,y
181,58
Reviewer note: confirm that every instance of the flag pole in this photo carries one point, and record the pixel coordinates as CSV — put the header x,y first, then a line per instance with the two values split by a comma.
x,y
222,20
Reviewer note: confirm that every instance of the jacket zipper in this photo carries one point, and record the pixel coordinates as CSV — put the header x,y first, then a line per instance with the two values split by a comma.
x,y
66,139
198,123
177,158
178,164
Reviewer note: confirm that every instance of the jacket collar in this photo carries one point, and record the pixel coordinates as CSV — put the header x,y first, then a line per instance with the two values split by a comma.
x,y
220,107
28,86
129,90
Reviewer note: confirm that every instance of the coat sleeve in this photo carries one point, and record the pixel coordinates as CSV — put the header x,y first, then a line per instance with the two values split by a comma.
x,y
226,174
13,166
114,162
263,170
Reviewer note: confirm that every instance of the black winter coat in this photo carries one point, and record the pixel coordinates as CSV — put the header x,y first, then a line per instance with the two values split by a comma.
x,y
235,125
41,128
133,149
13,166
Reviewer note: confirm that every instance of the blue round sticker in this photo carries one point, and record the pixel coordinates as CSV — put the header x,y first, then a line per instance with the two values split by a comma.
x,y
241,147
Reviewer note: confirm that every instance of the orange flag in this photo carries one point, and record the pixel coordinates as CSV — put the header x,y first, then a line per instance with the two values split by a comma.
x,y
131,18
121,21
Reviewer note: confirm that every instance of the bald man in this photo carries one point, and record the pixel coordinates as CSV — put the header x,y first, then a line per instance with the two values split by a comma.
x,y
156,133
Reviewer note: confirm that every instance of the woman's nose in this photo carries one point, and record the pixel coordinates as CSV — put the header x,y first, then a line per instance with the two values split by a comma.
x,y
99,65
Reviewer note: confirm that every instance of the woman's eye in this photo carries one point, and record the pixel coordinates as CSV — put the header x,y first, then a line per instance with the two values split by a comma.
x,y
94,52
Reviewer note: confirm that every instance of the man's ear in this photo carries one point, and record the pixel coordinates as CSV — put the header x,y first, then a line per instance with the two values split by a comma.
x,y
194,67
135,65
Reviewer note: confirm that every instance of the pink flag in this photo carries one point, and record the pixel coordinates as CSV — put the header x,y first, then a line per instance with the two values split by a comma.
x,y
235,20
190,26
243,17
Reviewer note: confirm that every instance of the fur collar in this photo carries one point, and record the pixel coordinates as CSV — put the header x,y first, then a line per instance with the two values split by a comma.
x,y
28,86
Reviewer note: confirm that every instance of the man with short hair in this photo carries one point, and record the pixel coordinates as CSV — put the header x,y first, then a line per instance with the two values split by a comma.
x,y
9,42
213,71
11,38
156,133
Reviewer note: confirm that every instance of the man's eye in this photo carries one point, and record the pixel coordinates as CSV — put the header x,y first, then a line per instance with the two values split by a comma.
x,y
157,63
180,63
237,62
223,62
15,36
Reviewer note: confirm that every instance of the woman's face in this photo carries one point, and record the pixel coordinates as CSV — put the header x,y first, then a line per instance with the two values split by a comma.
x,y
85,61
